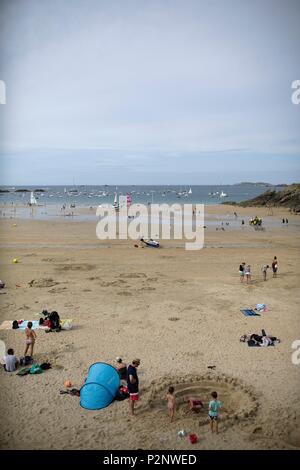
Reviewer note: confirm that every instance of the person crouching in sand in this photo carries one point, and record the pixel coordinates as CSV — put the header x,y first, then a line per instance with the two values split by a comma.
x,y
195,404
30,339
171,402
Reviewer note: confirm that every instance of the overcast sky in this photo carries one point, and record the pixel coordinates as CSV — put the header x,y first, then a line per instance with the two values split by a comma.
x,y
149,92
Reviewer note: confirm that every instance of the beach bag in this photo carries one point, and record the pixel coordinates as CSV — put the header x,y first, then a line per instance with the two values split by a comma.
x,y
122,394
45,366
67,325
35,369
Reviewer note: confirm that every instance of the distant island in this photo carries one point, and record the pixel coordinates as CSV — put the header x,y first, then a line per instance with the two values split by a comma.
x,y
260,183
288,197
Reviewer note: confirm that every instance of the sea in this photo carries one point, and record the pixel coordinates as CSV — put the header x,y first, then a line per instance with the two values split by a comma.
x,y
90,196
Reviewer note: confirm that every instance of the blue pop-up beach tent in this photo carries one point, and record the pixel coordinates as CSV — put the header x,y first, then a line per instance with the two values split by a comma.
x,y
100,387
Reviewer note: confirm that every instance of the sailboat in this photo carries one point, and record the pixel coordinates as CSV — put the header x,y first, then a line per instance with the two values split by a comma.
x,y
116,204
190,191
223,194
33,201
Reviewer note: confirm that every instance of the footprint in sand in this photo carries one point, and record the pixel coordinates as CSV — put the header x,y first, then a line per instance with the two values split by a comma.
x,y
132,275
125,293
76,267
57,290
44,282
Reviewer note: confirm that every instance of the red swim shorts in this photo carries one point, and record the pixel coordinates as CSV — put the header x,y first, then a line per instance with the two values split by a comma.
x,y
134,396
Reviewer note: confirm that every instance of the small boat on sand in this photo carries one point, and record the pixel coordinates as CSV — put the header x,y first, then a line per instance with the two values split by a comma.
x,y
151,243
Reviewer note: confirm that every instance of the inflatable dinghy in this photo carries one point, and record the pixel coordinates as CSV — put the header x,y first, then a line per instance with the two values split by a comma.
x,y
151,243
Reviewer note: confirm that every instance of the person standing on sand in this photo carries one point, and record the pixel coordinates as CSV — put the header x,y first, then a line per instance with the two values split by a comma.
x,y
133,384
171,401
214,407
30,339
275,266
242,271
248,273
264,271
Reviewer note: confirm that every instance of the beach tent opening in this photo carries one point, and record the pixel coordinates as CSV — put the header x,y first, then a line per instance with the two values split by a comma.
x,y
100,387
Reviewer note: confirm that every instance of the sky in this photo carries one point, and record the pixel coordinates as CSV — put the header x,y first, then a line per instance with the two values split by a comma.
x,y
139,92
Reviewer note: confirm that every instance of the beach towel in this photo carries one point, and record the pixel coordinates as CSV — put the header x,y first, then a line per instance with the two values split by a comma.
x,y
7,324
249,312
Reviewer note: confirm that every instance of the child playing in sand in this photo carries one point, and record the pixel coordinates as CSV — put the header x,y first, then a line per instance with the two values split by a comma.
x,y
170,397
30,339
195,404
213,411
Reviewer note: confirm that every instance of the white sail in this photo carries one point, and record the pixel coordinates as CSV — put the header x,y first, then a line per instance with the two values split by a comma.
x,y
190,191
33,200
116,205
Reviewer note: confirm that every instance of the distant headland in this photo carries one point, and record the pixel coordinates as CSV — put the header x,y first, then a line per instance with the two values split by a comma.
x,y
288,197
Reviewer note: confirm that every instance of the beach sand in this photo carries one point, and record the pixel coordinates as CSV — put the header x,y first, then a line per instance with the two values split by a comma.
x,y
177,310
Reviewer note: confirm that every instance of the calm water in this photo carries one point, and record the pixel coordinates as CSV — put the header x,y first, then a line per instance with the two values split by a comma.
x,y
86,196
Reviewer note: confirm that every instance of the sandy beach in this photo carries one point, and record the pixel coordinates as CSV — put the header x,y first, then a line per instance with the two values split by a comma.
x,y
177,310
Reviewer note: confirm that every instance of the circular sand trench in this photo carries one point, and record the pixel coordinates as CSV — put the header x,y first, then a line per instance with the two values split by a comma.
x,y
238,399
292,435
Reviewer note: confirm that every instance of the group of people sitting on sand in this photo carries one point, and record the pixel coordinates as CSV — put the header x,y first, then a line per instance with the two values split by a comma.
x,y
11,362
245,271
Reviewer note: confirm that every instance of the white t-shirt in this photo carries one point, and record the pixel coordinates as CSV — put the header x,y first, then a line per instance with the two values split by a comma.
x,y
10,362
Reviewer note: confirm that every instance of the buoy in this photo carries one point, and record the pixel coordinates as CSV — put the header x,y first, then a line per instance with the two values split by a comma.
x,y
15,260
68,384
